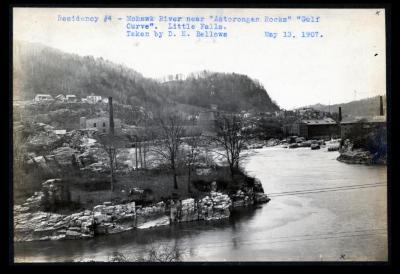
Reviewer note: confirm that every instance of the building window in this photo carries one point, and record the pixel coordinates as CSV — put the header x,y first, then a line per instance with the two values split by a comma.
x,y
104,124
94,124
104,130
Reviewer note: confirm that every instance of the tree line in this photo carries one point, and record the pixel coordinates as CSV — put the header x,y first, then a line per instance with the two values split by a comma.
x,y
40,69
167,140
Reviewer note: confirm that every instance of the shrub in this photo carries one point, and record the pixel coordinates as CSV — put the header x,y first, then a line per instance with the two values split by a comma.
x,y
202,185
372,139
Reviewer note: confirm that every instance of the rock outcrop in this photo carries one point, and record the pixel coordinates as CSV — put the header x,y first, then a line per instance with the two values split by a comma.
x,y
32,223
349,155
42,138
65,156
30,226
356,156
114,218
211,207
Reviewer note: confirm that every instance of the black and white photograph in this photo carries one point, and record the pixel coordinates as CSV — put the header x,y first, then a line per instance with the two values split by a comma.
x,y
159,135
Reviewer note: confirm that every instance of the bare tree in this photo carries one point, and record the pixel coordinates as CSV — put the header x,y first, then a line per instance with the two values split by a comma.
x,y
140,139
170,140
164,254
232,135
117,257
159,254
110,144
146,136
193,152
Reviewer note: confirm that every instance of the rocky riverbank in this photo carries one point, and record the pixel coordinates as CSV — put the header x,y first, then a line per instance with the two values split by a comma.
x,y
349,155
32,223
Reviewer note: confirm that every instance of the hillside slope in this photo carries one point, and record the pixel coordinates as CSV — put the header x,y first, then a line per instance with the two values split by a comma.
x,y
40,69
229,91
363,107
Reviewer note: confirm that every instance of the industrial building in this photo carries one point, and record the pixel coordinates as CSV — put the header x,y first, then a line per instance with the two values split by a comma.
x,y
101,124
313,129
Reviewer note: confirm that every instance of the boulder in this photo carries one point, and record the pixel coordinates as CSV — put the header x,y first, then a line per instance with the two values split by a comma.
x,y
65,156
260,198
71,234
334,147
55,192
42,140
163,220
315,146
272,142
357,156
307,143
294,145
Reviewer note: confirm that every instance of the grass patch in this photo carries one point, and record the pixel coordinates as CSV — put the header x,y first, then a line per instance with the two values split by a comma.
x,y
88,189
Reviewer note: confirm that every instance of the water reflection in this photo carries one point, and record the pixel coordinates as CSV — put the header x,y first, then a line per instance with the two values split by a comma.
x,y
137,242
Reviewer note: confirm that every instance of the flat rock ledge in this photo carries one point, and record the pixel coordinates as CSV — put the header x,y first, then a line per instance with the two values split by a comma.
x,y
31,224
361,157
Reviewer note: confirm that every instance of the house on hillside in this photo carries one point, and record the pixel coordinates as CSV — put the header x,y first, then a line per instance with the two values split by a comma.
x,y
101,124
43,97
60,131
93,99
71,98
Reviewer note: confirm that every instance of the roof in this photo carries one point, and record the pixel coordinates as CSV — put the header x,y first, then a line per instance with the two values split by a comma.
x,y
60,131
325,121
368,119
71,95
102,118
47,95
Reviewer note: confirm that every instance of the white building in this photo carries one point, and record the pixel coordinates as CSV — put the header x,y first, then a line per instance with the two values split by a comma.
x,y
60,131
93,99
43,97
71,98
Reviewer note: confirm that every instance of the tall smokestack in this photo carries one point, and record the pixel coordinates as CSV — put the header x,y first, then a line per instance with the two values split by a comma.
x,y
340,114
380,106
111,115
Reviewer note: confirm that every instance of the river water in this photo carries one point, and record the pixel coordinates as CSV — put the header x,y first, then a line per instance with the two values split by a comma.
x,y
344,219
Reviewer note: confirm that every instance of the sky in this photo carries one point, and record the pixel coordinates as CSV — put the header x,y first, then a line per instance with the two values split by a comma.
x,y
347,63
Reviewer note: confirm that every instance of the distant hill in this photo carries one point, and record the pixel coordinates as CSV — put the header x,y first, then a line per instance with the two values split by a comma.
x,y
229,91
40,69
363,107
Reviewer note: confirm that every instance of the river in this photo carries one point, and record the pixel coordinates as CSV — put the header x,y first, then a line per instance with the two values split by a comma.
x,y
344,218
